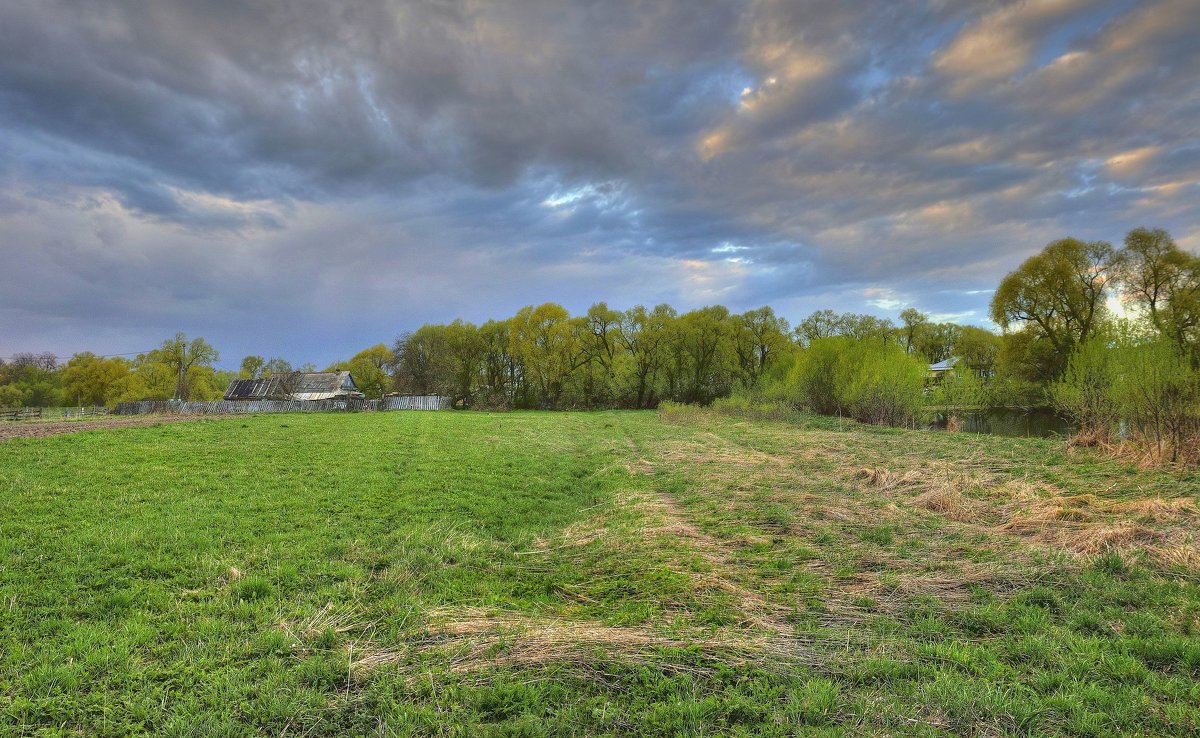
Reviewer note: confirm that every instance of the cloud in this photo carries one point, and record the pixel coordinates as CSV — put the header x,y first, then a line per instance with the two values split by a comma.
x,y
358,168
1002,42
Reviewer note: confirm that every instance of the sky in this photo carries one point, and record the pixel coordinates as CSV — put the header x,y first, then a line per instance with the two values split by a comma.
x,y
305,178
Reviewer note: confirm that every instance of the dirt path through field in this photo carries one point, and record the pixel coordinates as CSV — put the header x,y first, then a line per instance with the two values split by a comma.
x,y
40,429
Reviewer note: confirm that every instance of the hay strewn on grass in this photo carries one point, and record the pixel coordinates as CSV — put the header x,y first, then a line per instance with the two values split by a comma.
x,y
1080,524
475,639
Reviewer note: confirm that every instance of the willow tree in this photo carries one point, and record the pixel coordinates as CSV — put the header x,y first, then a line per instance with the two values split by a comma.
x,y
759,338
544,340
1057,296
1164,281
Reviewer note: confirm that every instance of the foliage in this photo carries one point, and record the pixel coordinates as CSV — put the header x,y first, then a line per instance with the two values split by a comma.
x,y
369,369
277,365
1085,392
759,338
828,324
92,380
188,362
1157,391
870,381
812,382
1163,281
251,367
1057,297
961,390
542,357
977,348
1143,389
30,380
881,384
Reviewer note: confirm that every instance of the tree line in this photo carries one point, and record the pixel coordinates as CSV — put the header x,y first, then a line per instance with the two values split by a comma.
x,y
543,357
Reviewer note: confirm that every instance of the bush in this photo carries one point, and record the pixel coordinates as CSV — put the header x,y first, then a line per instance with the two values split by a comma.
x,y
869,380
1157,393
1084,394
1144,391
962,390
813,380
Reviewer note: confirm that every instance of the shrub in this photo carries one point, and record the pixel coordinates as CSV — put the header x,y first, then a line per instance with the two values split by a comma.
x,y
880,383
812,382
1146,391
1157,392
962,390
1084,394
678,412
868,380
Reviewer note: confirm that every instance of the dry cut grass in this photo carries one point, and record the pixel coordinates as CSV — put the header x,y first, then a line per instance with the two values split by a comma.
x,y
478,639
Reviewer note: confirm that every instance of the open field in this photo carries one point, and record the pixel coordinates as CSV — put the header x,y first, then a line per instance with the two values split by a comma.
x,y
561,574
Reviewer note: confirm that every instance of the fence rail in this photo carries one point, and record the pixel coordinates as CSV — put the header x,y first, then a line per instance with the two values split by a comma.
x,y
225,407
21,413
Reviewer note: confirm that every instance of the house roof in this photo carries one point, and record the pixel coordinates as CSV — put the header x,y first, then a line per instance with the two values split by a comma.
x,y
293,385
945,365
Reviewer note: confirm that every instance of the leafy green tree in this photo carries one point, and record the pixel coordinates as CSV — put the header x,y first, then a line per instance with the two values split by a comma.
x,y
978,349
501,370
191,364
912,321
820,324
1058,297
1084,393
369,368
92,380
545,341
11,396
827,324
252,367
936,342
644,337
467,352
703,359
598,334
422,361
277,365
759,338
1164,282
31,380
862,327
869,380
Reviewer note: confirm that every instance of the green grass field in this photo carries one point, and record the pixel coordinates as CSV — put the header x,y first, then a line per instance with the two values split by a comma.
x,y
599,574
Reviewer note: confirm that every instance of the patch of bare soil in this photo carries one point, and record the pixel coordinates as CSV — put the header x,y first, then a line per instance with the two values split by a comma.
x,y
41,429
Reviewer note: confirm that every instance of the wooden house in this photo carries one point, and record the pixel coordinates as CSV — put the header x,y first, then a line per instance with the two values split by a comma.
x,y
295,386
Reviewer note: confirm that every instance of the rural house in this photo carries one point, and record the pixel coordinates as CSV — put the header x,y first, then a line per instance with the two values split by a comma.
x,y
943,369
295,386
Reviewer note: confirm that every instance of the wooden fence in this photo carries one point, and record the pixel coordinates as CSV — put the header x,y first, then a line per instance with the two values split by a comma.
x,y
21,413
81,412
226,407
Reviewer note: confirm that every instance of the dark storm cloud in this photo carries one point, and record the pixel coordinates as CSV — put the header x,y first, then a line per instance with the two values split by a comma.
x,y
229,167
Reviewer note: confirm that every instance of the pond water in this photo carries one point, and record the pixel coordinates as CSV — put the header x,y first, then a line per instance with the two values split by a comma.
x,y
1004,421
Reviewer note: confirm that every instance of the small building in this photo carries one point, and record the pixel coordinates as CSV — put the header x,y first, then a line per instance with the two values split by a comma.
x,y
944,367
295,386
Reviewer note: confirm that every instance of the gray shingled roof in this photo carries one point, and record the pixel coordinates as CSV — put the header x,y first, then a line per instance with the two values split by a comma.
x,y
945,365
292,385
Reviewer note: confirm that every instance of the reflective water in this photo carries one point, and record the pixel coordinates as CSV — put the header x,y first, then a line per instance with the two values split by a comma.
x,y
1003,421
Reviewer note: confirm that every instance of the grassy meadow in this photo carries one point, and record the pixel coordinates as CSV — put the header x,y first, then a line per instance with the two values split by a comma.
x,y
590,574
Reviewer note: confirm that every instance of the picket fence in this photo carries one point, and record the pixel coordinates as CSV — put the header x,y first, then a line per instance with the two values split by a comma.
x,y
224,407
